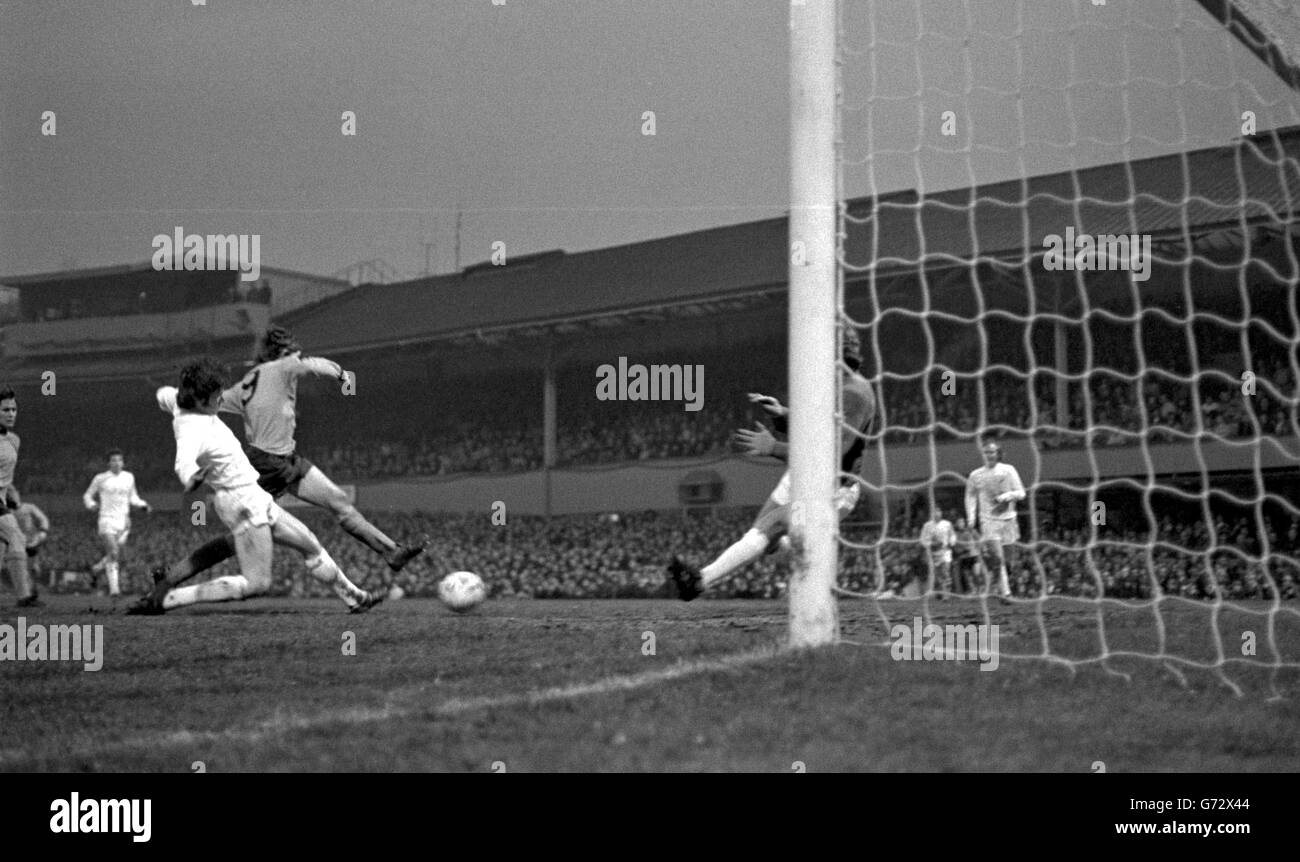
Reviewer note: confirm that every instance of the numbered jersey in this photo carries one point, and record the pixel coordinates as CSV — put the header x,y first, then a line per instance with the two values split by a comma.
x,y
267,399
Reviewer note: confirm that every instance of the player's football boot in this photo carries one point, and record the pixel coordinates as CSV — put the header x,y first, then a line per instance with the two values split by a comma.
x,y
403,554
32,601
686,579
373,597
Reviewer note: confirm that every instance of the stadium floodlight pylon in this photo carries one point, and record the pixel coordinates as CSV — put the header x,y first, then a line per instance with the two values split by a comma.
x,y
814,275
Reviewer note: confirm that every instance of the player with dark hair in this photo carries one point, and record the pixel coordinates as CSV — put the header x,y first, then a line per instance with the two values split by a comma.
x,y
991,495
266,399
11,535
966,559
768,533
207,452
113,494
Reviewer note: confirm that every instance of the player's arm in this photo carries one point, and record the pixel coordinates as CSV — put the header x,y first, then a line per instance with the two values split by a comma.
x,y
779,413
187,462
231,400
1017,491
972,501
135,497
89,497
318,365
759,441
166,398
42,522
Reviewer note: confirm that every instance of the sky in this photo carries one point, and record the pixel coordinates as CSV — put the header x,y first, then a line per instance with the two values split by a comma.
x,y
527,118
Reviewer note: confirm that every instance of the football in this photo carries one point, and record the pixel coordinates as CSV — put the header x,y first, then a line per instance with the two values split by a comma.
x,y
462,591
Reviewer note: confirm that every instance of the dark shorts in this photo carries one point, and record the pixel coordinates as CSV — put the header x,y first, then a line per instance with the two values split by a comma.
x,y
278,473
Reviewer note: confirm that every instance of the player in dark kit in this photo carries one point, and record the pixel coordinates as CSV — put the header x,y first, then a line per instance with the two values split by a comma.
x,y
769,530
266,399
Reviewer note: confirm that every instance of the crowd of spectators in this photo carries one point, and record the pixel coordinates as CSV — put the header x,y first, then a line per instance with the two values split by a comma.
x,y
623,556
494,423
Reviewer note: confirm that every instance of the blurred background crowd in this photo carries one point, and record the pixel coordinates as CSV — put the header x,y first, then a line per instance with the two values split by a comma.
x,y
499,428
623,556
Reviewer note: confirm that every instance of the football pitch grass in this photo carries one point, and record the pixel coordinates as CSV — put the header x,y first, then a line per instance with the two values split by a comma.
x,y
521,686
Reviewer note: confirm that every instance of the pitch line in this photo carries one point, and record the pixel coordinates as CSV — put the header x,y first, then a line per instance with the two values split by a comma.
x,y
451,708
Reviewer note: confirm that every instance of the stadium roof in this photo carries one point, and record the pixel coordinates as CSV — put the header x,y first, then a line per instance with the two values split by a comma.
x,y
68,275
1167,196
1180,196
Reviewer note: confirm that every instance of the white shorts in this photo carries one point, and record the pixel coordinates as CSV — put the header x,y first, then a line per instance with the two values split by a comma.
x,y
1004,532
245,507
115,530
846,496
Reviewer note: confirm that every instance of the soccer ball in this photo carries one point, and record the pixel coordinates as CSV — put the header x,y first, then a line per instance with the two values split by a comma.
x,y
462,591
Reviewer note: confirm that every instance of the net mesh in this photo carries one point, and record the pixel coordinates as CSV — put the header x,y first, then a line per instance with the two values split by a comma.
x,y
1146,390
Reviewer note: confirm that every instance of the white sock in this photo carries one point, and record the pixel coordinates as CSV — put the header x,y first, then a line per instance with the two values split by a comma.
x,y
111,570
228,588
750,547
1002,582
323,568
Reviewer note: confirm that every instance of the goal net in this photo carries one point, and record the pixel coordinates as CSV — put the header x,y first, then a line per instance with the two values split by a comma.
x,y
1070,228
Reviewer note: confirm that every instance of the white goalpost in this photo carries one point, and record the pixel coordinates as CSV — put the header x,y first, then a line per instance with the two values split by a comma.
x,y
814,304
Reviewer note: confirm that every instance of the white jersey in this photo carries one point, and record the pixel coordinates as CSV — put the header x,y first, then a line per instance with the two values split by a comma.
x,y
116,493
204,442
983,488
938,532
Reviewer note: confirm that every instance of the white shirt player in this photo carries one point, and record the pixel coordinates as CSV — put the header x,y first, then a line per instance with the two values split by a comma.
x,y
985,486
205,442
116,493
939,533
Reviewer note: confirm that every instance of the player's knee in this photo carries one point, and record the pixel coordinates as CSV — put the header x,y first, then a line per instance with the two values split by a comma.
x,y
258,582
